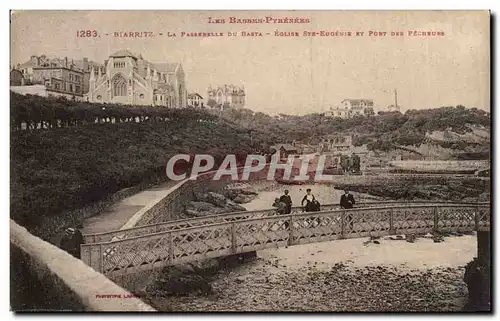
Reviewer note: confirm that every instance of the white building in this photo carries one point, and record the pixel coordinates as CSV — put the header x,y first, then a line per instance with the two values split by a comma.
x,y
352,107
226,96
195,100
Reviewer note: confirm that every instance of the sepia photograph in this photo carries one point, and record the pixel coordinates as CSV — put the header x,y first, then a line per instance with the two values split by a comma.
x,y
250,161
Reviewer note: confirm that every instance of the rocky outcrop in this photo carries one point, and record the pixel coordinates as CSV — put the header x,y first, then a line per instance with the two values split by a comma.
x,y
211,204
477,278
240,192
242,198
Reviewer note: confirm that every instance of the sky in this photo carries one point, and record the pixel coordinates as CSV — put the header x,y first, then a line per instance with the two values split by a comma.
x,y
291,75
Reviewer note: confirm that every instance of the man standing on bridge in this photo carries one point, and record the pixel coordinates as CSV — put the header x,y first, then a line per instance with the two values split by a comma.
x,y
288,201
347,202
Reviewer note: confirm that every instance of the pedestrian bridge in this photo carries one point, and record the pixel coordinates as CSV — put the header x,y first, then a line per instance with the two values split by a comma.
x,y
148,247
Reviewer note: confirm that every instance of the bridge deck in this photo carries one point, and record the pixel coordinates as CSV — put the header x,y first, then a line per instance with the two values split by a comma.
x,y
205,241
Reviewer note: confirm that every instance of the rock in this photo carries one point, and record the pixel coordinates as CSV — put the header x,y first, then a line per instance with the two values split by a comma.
x,y
197,208
248,191
411,238
216,199
193,213
231,193
205,267
241,188
234,206
186,284
242,198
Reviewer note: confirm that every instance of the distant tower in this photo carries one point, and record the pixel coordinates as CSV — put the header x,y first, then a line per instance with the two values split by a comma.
x,y
395,106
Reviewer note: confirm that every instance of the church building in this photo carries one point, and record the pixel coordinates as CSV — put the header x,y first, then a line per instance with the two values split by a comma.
x,y
127,79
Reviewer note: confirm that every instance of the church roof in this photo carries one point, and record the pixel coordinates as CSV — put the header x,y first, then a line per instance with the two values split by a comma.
x,y
123,53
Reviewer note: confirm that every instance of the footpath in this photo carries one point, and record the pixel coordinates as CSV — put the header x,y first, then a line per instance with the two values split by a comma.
x,y
119,213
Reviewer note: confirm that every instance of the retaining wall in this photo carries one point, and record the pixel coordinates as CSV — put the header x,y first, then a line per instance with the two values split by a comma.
x,y
46,278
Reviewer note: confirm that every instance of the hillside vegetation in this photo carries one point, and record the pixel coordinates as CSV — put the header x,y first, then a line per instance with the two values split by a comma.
x,y
82,152
384,132
53,170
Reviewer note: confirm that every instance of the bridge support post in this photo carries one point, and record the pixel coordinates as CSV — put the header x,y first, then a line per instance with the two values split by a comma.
x,y
476,219
391,222
170,248
290,231
436,220
342,225
233,238
101,259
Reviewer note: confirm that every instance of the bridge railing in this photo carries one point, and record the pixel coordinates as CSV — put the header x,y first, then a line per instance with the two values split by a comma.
x,y
228,217
219,239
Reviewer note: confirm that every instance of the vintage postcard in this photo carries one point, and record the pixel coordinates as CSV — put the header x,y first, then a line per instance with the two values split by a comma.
x,y
319,161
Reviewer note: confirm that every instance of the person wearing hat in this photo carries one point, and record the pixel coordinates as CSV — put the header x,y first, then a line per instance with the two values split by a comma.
x,y
347,202
285,198
78,240
71,240
67,240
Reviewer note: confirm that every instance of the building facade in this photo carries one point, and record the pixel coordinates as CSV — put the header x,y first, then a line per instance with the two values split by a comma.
x,y
127,79
195,100
60,76
352,107
332,143
226,96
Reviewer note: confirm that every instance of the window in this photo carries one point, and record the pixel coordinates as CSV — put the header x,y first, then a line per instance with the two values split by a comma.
x,y
70,87
141,96
119,64
77,89
119,86
56,85
99,97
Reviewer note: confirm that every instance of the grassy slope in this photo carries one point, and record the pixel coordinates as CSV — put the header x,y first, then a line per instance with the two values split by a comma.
x,y
61,169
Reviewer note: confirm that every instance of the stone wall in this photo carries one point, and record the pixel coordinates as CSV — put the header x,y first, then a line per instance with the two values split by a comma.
x,y
45,278
165,207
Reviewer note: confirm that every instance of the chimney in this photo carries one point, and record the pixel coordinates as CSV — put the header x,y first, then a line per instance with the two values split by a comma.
x,y
85,64
66,62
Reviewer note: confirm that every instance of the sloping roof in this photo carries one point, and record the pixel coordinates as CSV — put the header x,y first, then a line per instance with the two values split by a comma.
x,y
28,63
79,64
357,101
194,95
286,147
123,53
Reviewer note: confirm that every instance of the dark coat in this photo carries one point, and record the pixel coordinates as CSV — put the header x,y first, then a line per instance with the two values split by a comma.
x,y
288,201
347,201
311,206
71,243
